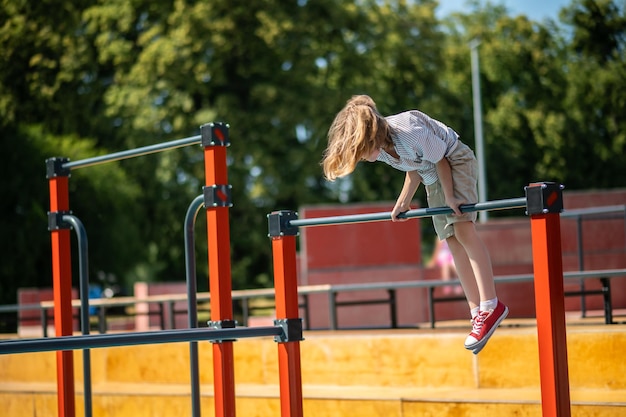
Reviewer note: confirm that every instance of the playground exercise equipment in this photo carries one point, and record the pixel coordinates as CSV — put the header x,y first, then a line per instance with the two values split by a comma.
x,y
424,212
543,202
136,338
217,199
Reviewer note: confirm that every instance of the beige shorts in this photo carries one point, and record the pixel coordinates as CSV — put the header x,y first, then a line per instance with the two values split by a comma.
x,y
465,182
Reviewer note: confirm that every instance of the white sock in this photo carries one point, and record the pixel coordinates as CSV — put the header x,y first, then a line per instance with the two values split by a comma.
x,y
474,312
489,304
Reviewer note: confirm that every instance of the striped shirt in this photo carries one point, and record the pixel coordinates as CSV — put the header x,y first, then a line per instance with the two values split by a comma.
x,y
421,142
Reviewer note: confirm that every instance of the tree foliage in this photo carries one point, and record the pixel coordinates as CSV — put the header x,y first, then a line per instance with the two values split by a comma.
x,y
87,77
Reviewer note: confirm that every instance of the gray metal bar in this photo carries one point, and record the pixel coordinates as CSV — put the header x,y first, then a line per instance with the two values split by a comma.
x,y
131,153
581,264
606,295
10,308
423,212
593,210
579,236
245,310
44,322
102,319
135,338
83,265
305,308
192,302
161,305
431,306
392,306
190,259
171,312
332,305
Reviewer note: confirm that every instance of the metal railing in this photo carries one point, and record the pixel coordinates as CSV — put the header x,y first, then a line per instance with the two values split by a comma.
x,y
134,338
132,153
504,204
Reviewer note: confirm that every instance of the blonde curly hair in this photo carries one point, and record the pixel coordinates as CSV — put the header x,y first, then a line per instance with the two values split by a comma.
x,y
357,131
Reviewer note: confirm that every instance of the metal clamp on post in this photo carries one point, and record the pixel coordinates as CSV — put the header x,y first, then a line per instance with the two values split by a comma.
x,y
292,330
56,222
222,324
218,195
543,198
54,167
215,134
278,223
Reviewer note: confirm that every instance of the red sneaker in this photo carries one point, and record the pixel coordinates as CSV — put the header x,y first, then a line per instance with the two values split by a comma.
x,y
483,326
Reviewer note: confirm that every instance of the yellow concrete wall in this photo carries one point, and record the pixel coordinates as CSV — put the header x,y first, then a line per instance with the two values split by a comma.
x,y
596,361
402,373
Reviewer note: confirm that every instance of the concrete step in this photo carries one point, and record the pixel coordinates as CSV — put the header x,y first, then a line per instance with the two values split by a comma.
x,y
122,400
410,372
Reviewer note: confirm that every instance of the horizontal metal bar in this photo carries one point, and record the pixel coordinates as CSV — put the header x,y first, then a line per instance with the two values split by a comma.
x,y
157,299
387,285
138,338
363,302
131,153
14,308
594,210
423,212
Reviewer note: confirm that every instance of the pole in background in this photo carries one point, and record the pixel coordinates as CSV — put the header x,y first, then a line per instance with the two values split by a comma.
x,y
287,310
58,181
217,200
478,128
545,203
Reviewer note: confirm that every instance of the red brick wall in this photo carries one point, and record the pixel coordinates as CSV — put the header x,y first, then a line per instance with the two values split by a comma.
x,y
29,321
358,245
357,253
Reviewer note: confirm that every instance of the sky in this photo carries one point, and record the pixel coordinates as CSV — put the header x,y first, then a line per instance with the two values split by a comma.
x,y
535,9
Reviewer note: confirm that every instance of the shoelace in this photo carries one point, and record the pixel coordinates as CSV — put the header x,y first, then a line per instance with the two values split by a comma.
x,y
478,321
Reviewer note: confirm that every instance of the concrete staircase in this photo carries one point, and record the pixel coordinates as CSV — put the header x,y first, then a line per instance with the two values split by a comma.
x,y
390,373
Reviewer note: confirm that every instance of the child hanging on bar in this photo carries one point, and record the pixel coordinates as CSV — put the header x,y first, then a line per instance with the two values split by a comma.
x,y
432,153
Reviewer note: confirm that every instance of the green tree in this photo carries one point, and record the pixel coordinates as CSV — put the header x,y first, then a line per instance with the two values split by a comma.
x,y
272,70
81,78
594,137
521,88
51,105
105,193
551,110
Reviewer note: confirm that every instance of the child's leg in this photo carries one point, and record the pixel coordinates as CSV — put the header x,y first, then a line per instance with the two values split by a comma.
x,y
478,257
465,272
491,311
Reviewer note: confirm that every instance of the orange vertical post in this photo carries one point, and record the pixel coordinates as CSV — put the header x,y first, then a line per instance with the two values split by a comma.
x,y
58,181
287,311
217,200
545,202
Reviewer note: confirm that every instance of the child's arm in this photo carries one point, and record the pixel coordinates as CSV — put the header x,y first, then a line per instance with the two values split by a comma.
x,y
412,181
445,177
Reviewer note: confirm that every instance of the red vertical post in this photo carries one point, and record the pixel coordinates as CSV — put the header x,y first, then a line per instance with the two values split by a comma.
x,y
287,310
545,202
58,181
217,199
